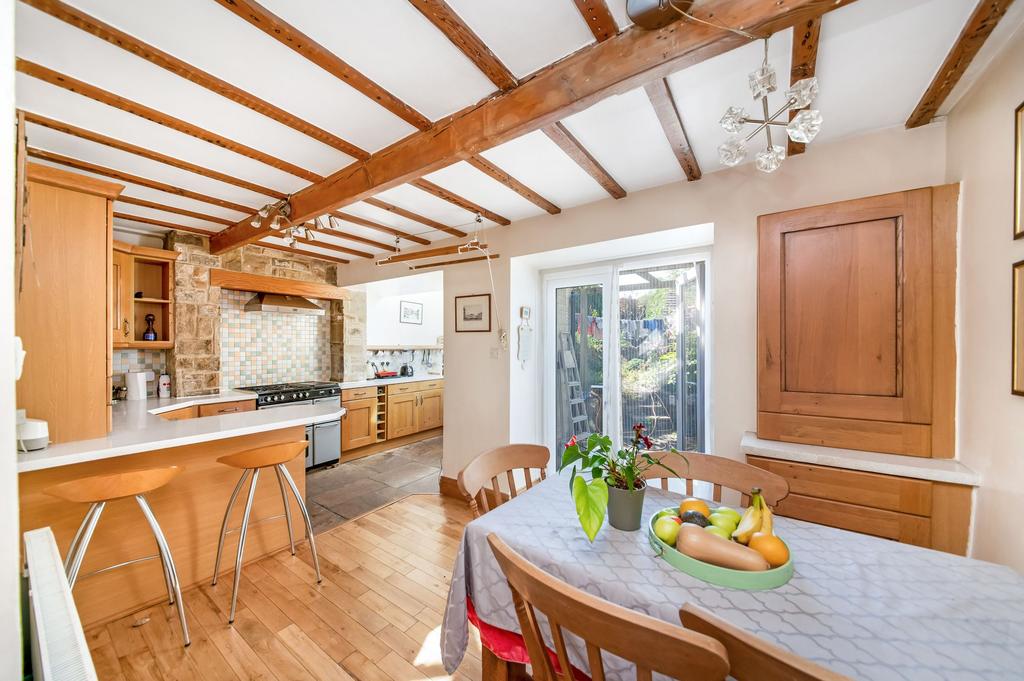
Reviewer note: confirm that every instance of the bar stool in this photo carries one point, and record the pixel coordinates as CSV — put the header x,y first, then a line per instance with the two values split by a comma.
x,y
253,461
98,491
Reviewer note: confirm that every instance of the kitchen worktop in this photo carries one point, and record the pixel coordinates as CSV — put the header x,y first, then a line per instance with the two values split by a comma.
x,y
373,382
138,427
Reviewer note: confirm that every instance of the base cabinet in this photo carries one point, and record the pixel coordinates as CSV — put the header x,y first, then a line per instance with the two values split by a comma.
x,y
359,424
402,414
430,410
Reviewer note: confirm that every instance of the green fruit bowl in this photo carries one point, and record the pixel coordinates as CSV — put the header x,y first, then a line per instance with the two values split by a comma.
x,y
720,576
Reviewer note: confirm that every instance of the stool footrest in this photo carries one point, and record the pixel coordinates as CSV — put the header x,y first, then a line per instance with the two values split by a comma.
x,y
256,522
120,565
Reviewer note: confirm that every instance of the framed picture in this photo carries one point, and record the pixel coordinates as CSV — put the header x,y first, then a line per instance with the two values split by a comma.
x,y
1018,173
1017,346
473,313
410,312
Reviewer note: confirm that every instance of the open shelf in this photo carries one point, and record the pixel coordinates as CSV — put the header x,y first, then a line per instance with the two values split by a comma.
x,y
144,345
161,301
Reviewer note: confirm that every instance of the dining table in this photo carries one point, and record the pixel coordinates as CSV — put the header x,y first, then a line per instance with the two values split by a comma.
x,y
863,606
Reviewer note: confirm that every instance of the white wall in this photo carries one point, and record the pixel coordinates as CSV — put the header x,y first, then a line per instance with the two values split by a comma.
x,y
477,405
991,420
10,622
382,308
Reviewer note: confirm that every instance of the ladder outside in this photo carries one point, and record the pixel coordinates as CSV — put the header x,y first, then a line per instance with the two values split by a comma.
x,y
577,408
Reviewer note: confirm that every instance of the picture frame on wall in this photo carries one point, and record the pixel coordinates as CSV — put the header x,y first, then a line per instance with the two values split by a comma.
x,y
1017,343
473,313
410,312
1018,172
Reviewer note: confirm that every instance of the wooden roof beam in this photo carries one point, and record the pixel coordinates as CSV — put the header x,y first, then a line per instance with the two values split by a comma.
x,y
488,168
78,164
154,55
456,200
975,32
407,214
462,36
619,64
144,152
565,140
332,247
672,124
110,99
355,219
291,37
173,209
803,64
599,18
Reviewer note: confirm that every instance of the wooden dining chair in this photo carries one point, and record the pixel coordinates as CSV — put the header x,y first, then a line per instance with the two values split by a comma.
x,y
650,644
720,472
750,658
501,461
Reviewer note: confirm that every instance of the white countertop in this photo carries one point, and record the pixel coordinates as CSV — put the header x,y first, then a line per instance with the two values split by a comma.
x,y
920,468
373,382
137,427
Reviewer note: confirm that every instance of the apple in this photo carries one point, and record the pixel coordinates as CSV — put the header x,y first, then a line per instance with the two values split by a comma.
x,y
723,521
730,512
718,531
667,529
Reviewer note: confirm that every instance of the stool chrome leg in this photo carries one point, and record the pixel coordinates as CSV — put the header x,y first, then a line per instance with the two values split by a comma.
x,y
78,536
287,510
241,544
305,516
224,524
90,527
170,572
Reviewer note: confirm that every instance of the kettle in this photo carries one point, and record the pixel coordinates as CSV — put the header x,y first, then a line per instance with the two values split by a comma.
x,y
406,370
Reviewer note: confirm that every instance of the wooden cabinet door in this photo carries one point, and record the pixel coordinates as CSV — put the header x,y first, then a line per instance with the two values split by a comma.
x,y
359,424
430,410
224,408
845,324
181,414
122,276
401,415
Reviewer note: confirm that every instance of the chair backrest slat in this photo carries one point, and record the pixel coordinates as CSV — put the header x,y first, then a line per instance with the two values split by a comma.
x,y
596,663
650,644
643,674
751,658
720,472
529,478
542,671
544,473
485,469
716,492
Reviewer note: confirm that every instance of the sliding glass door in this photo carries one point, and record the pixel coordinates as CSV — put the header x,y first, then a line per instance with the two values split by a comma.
x,y
625,344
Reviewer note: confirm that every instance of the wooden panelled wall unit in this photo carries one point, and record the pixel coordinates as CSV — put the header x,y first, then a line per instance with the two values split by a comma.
x,y
149,272
855,323
61,313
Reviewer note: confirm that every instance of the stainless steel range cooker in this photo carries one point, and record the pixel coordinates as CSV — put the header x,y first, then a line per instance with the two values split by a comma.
x,y
324,438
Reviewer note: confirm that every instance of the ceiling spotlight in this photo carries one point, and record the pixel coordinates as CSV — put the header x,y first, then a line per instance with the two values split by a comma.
x,y
265,211
479,218
275,223
256,221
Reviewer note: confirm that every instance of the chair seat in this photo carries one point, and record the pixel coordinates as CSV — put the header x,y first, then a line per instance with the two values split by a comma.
x,y
262,457
97,488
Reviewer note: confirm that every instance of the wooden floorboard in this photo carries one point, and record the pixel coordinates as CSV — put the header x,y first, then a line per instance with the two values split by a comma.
x,y
375,617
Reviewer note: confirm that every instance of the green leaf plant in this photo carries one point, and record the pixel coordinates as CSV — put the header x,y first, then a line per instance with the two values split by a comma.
x,y
626,469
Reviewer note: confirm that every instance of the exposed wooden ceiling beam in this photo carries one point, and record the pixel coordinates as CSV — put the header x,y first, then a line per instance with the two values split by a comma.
x,y
976,31
407,214
318,226
427,253
162,223
598,17
561,136
463,37
298,251
488,168
355,219
445,263
110,99
289,36
803,65
82,133
672,124
154,55
173,209
456,200
617,65
135,179
333,247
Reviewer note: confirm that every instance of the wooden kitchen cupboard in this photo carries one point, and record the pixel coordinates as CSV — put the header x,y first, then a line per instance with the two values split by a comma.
x,y
148,272
63,306
414,407
855,325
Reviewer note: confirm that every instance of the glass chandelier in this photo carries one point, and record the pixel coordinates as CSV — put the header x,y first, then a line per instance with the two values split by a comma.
x,y
803,128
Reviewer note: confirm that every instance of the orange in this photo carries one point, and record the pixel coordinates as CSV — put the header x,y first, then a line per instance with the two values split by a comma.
x,y
771,547
692,504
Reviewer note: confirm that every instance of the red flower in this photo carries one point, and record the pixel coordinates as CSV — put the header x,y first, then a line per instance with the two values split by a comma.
x,y
638,428
571,442
646,440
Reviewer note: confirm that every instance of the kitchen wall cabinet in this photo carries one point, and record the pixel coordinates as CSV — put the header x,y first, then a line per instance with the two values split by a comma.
x,y
359,424
62,313
855,323
148,272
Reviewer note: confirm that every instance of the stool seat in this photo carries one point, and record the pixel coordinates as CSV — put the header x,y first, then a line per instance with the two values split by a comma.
x,y
264,457
97,488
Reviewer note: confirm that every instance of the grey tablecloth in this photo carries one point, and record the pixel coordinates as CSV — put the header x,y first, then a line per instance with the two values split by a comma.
x,y
863,606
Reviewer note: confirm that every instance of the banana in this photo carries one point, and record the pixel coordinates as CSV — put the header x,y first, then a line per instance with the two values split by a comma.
x,y
751,520
767,517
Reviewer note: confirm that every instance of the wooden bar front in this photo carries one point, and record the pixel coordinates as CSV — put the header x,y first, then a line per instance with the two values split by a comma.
x,y
189,509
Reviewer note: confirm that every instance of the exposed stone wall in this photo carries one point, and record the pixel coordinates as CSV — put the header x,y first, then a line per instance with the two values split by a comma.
x,y
353,337
267,261
194,363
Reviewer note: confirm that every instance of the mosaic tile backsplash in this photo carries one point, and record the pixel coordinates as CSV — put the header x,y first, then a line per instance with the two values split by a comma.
x,y
139,360
266,347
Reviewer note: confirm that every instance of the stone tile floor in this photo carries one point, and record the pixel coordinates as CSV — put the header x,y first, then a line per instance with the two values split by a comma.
x,y
339,493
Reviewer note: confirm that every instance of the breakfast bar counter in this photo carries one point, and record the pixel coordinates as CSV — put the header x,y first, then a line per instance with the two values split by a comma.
x,y
189,508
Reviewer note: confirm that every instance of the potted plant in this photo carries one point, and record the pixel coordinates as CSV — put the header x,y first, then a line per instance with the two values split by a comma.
x,y
617,481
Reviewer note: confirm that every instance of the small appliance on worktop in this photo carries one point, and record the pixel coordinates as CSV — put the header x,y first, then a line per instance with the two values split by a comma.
x,y
324,438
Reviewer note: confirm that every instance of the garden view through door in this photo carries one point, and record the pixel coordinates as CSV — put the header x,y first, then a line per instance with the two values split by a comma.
x,y
579,362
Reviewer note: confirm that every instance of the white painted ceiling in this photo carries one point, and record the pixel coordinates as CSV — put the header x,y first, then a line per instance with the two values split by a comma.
x,y
875,59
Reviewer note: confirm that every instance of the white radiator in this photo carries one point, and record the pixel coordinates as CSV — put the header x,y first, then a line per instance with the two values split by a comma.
x,y
59,650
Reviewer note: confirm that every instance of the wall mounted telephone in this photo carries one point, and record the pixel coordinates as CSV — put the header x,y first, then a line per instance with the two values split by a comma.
x,y
524,335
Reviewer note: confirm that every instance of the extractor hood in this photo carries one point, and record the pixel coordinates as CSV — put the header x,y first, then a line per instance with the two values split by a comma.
x,y
273,302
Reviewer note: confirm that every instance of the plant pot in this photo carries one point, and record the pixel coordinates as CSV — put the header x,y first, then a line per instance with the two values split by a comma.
x,y
626,507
